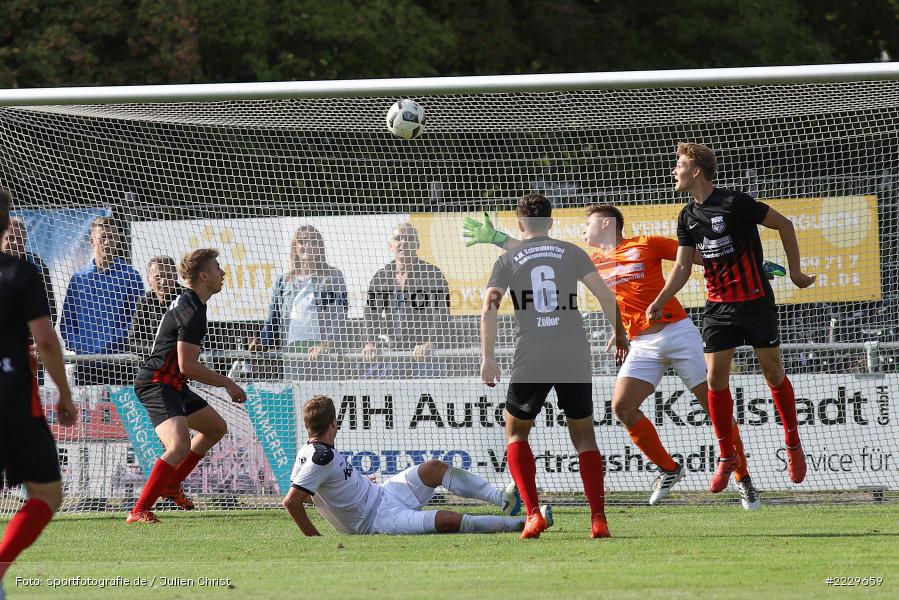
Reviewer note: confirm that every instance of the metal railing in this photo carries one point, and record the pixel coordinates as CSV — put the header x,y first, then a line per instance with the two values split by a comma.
x,y
872,351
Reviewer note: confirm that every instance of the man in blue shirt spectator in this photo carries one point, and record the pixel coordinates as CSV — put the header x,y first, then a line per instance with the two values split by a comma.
x,y
99,307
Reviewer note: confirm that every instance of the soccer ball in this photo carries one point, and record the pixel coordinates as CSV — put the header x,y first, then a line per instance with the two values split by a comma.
x,y
406,119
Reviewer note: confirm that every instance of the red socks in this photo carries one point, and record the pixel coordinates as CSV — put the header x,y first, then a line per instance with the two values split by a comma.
x,y
785,401
158,480
183,470
592,475
524,473
721,410
22,530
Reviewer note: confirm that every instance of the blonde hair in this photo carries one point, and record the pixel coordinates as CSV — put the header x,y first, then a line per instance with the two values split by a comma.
x,y
109,223
304,230
196,262
699,156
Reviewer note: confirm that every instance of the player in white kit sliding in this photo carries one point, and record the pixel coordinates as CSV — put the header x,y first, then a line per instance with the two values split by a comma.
x,y
354,504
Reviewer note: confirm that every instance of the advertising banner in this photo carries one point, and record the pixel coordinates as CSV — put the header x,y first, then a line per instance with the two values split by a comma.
x,y
848,426
838,239
273,416
136,421
255,252
98,461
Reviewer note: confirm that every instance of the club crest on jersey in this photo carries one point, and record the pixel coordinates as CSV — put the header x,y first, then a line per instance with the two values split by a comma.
x,y
717,224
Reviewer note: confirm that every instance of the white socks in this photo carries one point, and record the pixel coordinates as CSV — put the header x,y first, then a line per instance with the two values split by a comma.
x,y
468,485
490,524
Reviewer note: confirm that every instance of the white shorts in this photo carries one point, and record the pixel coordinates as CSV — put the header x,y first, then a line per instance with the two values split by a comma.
x,y
400,510
678,345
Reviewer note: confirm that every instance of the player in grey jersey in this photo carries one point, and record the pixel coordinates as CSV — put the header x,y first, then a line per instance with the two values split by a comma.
x,y
551,352
354,504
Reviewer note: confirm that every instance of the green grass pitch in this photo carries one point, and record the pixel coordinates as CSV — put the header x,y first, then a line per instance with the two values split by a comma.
x,y
785,551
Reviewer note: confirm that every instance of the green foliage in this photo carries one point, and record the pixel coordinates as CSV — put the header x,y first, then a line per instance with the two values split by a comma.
x,y
856,30
92,42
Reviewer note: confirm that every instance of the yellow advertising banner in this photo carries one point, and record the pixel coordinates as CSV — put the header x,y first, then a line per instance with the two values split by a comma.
x,y
838,240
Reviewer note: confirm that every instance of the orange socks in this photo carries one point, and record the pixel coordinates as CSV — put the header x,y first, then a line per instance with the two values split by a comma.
x,y
646,438
743,470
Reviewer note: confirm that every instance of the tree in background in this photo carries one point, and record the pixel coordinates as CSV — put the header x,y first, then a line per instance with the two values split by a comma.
x,y
94,42
91,42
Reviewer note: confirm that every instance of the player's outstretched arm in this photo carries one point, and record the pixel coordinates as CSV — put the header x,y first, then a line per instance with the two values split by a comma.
x,y
293,502
190,365
483,232
775,220
609,306
489,316
677,278
50,351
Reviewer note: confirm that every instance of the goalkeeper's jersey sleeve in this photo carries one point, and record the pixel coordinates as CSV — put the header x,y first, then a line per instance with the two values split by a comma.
x,y
346,499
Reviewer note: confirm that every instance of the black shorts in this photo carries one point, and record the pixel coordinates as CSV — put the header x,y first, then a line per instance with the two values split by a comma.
x,y
525,400
164,402
27,449
726,325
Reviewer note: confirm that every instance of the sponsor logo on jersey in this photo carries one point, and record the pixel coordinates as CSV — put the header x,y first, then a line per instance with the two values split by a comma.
x,y
632,254
547,321
716,248
717,224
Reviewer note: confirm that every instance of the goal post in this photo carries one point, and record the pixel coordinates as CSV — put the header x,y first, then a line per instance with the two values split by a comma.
x,y
266,172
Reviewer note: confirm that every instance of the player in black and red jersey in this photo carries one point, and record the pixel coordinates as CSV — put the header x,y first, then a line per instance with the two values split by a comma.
x,y
161,386
722,225
27,450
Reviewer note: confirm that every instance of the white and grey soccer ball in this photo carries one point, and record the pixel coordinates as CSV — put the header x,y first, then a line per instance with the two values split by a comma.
x,y
406,119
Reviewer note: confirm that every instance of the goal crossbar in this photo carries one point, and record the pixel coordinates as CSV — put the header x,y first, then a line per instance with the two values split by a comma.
x,y
430,86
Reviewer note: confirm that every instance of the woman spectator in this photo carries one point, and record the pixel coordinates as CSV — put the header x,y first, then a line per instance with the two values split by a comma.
x,y
308,311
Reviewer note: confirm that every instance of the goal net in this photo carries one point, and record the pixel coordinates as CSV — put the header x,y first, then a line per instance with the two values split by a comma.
x,y
279,185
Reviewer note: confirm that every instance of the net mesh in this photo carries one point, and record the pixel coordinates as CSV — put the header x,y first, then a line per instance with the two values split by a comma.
x,y
245,176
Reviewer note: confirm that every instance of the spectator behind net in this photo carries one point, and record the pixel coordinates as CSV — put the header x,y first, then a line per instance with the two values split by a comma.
x,y
407,310
99,307
162,277
308,310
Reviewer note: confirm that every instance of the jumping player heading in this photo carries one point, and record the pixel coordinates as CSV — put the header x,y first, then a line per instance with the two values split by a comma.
x,y
632,267
721,224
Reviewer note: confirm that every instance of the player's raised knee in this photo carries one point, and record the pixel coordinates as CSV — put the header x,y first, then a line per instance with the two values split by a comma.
x,y
291,499
219,430
176,451
431,472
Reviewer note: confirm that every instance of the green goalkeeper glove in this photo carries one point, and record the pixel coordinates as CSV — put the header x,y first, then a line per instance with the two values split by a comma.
x,y
773,270
482,232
